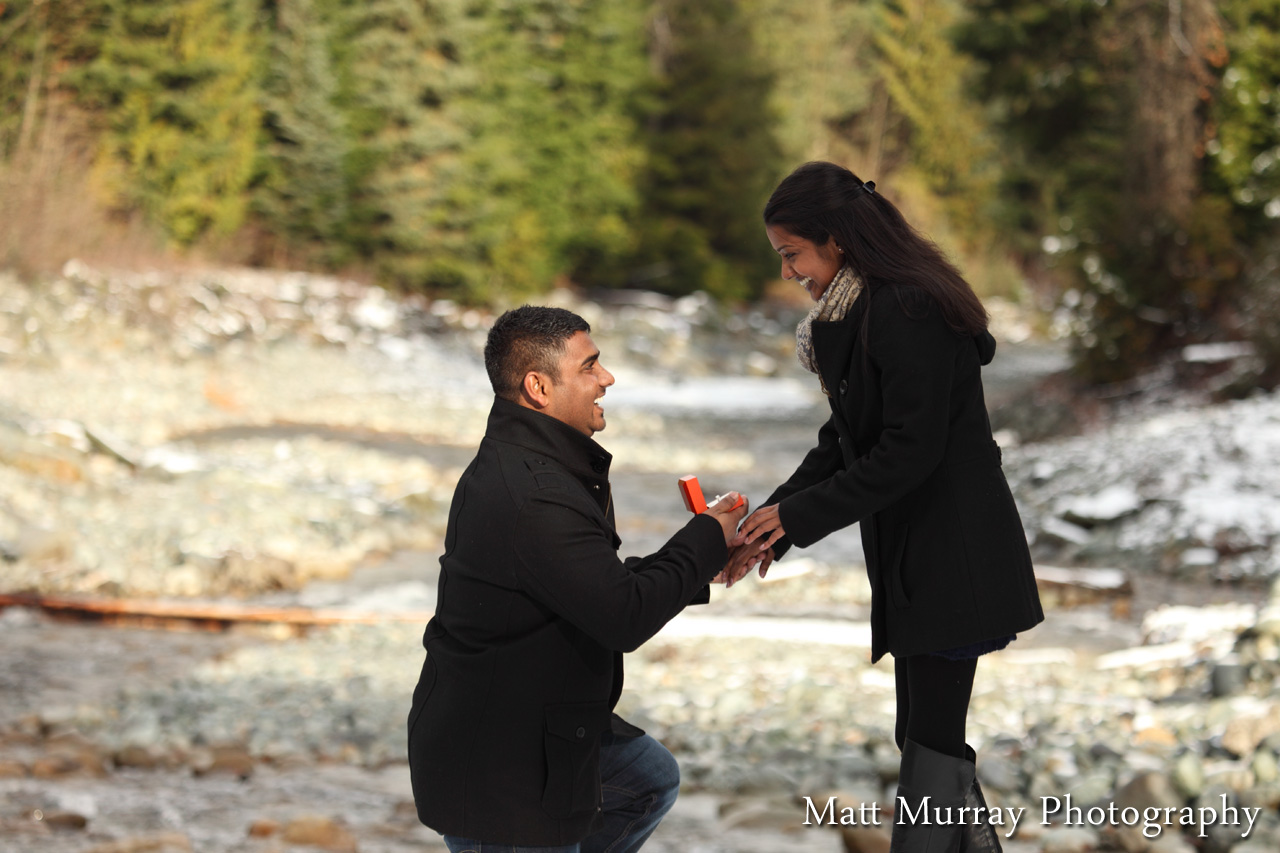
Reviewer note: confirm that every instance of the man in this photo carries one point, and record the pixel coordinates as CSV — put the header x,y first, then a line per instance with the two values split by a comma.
x,y
513,743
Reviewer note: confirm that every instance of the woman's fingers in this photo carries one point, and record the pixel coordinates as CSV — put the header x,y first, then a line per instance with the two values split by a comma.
x,y
759,522
773,538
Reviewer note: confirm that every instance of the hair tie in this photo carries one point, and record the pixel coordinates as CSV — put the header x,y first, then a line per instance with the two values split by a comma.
x,y
870,187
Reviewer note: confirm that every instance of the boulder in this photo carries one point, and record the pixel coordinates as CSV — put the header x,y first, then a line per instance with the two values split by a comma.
x,y
319,831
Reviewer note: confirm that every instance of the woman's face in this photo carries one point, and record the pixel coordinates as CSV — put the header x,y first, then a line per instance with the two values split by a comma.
x,y
809,263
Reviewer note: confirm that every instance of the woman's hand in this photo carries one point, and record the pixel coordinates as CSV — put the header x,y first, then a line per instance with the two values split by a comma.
x,y
764,524
728,518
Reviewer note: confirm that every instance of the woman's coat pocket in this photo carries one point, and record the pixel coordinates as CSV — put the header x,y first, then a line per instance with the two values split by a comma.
x,y
897,551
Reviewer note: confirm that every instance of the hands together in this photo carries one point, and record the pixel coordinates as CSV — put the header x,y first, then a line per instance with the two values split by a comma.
x,y
753,545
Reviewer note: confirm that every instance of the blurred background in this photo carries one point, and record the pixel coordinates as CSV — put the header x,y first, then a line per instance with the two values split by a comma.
x,y
249,251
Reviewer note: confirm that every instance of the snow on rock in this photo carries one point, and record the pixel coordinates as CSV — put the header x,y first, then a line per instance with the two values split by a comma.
x,y
1189,490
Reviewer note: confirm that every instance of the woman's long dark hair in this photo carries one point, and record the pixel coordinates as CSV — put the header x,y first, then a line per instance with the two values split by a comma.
x,y
822,200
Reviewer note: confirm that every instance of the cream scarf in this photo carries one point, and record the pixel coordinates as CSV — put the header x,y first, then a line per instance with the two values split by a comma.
x,y
832,306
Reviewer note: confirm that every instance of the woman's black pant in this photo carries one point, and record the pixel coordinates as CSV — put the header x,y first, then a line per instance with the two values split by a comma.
x,y
933,701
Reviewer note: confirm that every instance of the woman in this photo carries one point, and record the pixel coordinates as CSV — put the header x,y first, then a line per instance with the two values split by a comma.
x,y
897,340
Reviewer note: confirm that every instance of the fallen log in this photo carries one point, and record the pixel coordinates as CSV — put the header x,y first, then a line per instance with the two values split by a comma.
x,y
1062,587
205,615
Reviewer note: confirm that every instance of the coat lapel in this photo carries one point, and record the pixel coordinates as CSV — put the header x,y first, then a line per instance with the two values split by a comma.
x,y
833,343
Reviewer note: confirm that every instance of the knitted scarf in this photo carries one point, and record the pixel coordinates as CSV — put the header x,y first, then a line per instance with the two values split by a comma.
x,y
833,305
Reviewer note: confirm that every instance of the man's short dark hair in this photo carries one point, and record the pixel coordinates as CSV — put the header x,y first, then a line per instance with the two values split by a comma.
x,y
531,337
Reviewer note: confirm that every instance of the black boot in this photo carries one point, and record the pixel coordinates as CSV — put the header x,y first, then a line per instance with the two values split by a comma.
x,y
979,837
932,825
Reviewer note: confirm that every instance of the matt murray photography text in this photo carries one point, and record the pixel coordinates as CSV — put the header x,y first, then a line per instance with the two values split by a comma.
x,y
1053,810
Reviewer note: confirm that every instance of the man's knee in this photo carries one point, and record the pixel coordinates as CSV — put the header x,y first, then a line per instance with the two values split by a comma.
x,y
665,778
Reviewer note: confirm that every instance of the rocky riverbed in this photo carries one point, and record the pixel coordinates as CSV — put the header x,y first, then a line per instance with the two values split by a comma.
x,y
292,441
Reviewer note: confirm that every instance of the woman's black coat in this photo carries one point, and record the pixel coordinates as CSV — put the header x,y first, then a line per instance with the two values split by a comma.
x,y
908,453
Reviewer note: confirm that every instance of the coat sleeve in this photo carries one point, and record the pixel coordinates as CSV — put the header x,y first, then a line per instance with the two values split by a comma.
x,y
567,561
915,358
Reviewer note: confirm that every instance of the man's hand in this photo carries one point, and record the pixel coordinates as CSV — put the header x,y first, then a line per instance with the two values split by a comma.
x,y
728,518
741,560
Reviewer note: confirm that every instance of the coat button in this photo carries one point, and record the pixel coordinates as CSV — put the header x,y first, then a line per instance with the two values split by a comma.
x,y
844,386
581,732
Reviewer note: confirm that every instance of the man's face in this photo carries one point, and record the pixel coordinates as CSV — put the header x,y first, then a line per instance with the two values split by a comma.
x,y
574,397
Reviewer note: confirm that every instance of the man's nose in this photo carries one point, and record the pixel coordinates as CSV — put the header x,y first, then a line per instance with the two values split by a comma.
x,y
607,378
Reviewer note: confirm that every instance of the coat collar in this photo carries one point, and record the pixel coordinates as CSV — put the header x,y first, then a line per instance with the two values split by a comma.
x,y
512,423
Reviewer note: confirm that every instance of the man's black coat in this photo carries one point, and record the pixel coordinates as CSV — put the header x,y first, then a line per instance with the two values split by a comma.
x,y
524,653
908,452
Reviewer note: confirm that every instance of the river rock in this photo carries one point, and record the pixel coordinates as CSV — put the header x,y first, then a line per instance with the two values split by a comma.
x,y
865,839
1109,504
69,760
1250,728
46,462
165,842
1070,839
777,813
1255,845
1266,796
1264,766
264,828
1170,842
230,760
998,772
319,831
1228,678
64,820
1188,775
137,757
1148,790
1092,788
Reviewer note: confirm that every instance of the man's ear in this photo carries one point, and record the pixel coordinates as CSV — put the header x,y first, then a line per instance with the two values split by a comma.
x,y
536,390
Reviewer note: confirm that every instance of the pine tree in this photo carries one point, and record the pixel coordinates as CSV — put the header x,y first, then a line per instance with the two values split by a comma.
x,y
549,187
928,83
1105,107
303,193
179,84
1244,165
713,158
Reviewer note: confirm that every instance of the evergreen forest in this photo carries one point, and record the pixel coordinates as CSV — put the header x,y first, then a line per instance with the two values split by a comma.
x,y
1117,161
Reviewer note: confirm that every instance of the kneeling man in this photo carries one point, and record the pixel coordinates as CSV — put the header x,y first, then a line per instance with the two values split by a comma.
x,y
513,742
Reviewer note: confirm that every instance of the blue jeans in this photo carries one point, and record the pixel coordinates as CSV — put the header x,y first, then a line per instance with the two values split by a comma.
x,y
639,781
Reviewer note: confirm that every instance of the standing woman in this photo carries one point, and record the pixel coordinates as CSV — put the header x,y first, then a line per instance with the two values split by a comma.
x,y
897,340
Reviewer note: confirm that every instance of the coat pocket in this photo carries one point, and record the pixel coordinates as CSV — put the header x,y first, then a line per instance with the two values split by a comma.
x,y
896,567
421,693
572,745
